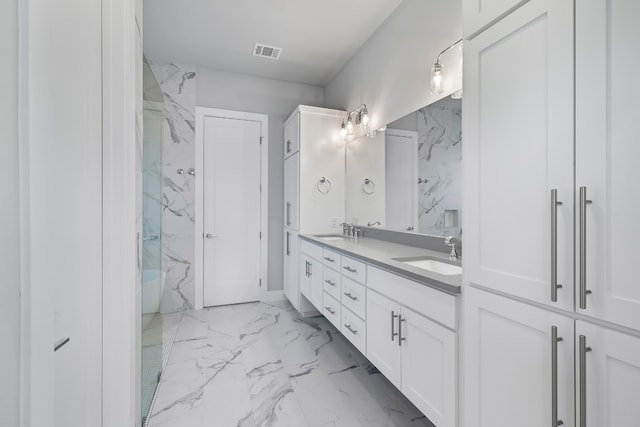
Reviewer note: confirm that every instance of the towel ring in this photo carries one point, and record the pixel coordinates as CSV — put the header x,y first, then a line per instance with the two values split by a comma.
x,y
323,185
368,187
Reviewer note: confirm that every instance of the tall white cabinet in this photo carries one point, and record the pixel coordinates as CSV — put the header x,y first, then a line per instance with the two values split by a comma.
x,y
314,185
550,271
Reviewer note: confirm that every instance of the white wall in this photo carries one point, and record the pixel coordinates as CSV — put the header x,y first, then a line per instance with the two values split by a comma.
x,y
10,224
391,72
277,99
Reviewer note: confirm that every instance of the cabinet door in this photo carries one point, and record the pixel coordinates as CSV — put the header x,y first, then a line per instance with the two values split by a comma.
x,y
291,191
305,278
509,364
607,152
518,127
290,273
429,368
292,135
477,14
609,394
315,283
382,336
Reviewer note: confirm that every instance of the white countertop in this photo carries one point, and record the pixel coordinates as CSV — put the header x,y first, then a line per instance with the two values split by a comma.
x,y
382,253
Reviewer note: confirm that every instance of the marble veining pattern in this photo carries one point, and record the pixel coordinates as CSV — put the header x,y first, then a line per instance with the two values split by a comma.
x,y
262,364
177,83
439,166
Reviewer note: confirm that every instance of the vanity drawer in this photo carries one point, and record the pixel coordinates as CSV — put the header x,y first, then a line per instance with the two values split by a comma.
x,y
331,282
354,329
354,297
331,259
353,269
331,309
314,251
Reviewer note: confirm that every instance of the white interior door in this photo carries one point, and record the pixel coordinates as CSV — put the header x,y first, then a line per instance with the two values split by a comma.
x,y
401,150
231,217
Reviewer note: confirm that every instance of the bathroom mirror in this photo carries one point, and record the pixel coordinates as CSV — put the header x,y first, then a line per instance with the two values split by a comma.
x,y
408,177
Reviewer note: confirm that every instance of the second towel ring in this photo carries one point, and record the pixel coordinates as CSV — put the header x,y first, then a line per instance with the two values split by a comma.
x,y
368,187
323,185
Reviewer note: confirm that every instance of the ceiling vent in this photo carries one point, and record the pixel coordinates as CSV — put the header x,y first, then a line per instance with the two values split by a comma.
x,y
264,51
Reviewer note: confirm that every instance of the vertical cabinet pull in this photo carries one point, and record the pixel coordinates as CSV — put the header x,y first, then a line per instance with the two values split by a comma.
x,y
288,146
583,349
306,268
554,245
288,243
393,326
583,247
310,270
555,422
400,337
288,213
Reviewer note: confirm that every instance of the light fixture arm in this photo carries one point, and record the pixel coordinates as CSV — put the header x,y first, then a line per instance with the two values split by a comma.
x,y
447,49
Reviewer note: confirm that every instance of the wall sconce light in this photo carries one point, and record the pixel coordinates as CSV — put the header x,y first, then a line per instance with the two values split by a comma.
x,y
437,73
356,117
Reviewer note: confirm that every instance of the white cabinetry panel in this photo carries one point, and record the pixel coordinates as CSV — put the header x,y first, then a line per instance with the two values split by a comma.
x,y
479,13
382,336
518,127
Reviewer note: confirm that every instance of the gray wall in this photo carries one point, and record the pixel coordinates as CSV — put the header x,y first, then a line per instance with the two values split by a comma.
x,y
10,224
391,71
218,89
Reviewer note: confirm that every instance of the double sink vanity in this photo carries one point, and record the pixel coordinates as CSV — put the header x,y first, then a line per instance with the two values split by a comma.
x,y
398,305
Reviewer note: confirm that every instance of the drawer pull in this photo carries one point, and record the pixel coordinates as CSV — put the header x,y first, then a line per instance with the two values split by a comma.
x,y
353,331
57,346
348,294
329,259
330,282
400,337
350,270
330,310
393,332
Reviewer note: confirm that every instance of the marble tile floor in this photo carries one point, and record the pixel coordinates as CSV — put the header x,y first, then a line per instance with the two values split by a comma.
x,y
260,364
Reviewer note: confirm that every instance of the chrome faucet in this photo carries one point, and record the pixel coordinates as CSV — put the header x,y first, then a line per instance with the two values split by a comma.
x,y
371,224
449,242
347,229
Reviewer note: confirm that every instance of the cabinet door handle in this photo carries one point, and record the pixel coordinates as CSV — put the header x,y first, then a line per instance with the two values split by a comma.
x,y
288,243
288,146
330,282
353,331
554,245
555,422
400,337
583,349
350,270
310,270
288,213
329,259
330,310
57,346
393,325
350,296
583,247
306,268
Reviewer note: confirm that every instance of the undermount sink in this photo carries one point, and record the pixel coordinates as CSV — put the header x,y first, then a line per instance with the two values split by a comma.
x,y
430,264
331,237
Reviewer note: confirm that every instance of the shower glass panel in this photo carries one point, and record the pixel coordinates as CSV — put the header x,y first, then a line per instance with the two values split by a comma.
x,y
152,273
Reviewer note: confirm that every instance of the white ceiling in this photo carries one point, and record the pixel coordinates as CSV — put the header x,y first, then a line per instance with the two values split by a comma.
x,y
317,36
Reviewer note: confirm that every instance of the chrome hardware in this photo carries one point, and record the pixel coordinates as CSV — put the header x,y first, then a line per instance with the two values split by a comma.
x,y
180,171
329,259
288,146
288,213
330,282
150,237
582,350
191,171
400,337
368,187
353,331
57,346
448,241
583,247
347,229
210,236
350,270
306,268
410,228
288,243
310,269
371,224
325,184
356,232
555,422
554,245
330,310
351,297
393,317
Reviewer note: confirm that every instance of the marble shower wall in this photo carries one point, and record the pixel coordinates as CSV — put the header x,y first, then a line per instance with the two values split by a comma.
x,y
440,167
178,86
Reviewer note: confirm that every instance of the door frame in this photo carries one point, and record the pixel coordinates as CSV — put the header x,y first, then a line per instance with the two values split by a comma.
x,y
413,135
263,119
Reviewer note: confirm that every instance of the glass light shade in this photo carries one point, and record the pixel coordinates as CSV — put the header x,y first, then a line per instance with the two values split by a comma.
x,y
343,130
365,118
350,126
437,80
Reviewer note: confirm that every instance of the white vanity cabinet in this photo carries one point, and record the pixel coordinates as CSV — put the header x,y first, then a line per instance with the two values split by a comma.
x,y
313,192
311,280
